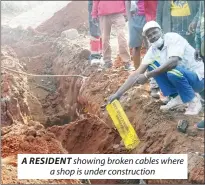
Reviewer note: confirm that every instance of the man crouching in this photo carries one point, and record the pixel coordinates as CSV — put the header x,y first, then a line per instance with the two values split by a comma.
x,y
170,60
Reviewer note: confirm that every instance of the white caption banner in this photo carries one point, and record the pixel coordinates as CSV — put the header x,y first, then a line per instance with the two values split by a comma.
x,y
102,166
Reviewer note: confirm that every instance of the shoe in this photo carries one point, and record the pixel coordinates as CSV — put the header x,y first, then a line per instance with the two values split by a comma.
x,y
155,93
173,103
94,56
95,61
194,107
165,99
102,62
129,67
200,125
107,65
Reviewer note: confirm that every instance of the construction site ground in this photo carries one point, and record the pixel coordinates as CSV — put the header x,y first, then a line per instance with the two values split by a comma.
x,y
59,115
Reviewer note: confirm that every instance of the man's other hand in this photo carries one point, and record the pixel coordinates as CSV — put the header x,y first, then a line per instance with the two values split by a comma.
x,y
192,27
112,98
95,21
133,13
141,79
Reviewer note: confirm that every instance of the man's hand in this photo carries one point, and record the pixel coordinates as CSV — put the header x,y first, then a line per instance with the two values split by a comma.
x,y
112,98
142,79
95,21
197,54
133,13
192,27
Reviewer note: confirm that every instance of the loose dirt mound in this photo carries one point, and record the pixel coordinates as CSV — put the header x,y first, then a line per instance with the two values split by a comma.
x,y
88,136
74,15
27,139
31,138
12,179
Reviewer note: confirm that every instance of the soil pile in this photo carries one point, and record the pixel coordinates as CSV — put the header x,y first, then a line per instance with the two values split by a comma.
x,y
88,136
27,139
74,15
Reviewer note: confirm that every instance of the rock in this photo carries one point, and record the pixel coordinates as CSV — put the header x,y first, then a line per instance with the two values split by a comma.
x,y
116,146
84,54
29,138
70,34
99,70
5,87
32,123
31,132
40,133
38,126
52,135
192,133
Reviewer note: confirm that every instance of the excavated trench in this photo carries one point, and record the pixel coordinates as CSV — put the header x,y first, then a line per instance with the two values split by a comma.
x,y
64,114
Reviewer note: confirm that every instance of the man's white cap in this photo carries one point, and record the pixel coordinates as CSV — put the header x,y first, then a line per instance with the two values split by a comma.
x,y
150,24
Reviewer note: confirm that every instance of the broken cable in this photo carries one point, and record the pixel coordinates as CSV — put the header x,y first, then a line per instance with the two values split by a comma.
x,y
44,75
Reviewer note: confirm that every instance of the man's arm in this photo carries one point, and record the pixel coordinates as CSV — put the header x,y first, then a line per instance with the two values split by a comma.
x,y
170,64
159,16
131,81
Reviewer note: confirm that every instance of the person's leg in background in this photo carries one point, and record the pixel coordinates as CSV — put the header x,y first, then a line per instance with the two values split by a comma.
x,y
119,23
95,48
136,56
150,8
136,24
145,43
95,40
105,28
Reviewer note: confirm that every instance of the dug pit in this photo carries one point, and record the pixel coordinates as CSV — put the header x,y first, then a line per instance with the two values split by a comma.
x,y
61,114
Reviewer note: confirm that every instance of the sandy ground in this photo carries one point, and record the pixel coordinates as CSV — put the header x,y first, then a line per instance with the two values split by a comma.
x,y
36,16
39,14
